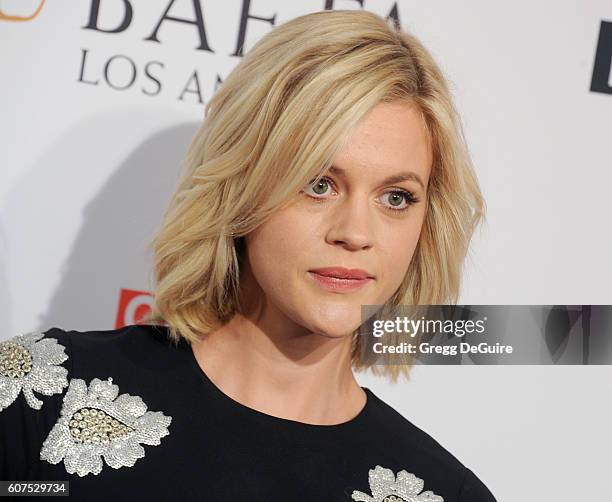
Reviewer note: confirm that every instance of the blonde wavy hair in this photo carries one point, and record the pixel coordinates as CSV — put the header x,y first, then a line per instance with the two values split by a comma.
x,y
274,125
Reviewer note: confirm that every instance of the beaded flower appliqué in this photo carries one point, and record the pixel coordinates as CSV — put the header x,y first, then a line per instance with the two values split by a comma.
x,y
95,423
29,364
386,488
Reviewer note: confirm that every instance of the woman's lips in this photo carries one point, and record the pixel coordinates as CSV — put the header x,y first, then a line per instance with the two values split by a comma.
x,y
339,285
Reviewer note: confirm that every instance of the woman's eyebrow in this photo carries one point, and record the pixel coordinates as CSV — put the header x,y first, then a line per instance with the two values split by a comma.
x,y
396,178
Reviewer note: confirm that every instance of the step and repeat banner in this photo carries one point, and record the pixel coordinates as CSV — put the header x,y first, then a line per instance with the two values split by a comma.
x,y
100,99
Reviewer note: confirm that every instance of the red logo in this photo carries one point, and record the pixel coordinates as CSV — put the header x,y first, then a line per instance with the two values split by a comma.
x,y
133,306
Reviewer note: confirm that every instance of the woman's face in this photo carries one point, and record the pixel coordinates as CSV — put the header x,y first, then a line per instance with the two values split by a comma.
x,y
355,217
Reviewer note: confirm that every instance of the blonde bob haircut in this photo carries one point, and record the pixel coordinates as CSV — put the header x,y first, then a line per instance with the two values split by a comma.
x,y
273,126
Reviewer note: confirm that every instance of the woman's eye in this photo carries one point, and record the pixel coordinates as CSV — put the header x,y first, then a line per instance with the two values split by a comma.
x,y
397,200
397,197
319,187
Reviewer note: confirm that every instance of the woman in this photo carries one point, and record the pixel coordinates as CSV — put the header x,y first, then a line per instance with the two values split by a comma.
x,y
330,172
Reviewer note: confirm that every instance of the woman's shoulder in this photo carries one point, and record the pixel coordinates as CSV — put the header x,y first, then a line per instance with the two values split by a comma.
x,y
47,378
415,447
41,364
122,338
403,432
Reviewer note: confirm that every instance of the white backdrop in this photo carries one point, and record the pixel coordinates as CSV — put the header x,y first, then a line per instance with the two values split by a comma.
x,y
88,160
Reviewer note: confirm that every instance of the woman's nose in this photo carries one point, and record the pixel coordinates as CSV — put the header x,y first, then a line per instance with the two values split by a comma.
x,y
351,223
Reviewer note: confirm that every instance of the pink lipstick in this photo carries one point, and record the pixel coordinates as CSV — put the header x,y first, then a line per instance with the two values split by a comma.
x,y
341,279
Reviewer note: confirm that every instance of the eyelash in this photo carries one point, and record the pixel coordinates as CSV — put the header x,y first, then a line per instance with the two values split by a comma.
x,y
410,198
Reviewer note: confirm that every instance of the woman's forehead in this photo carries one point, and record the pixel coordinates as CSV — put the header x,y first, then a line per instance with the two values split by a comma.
x,y
390,141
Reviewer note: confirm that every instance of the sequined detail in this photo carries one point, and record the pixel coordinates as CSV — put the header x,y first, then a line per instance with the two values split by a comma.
x,y
16,360
29,364
94,423
386,488
89,425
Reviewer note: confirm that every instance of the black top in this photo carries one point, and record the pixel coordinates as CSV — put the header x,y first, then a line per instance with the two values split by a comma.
x,y
125,413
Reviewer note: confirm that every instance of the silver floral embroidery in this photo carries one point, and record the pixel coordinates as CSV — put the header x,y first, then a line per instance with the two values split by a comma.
x,y
386,488
95,423
29,364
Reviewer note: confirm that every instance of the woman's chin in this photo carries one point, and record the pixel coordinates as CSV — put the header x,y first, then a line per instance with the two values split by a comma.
x,y
340,328
334,318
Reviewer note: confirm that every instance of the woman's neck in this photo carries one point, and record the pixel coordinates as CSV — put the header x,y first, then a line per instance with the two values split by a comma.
x,y
301,376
